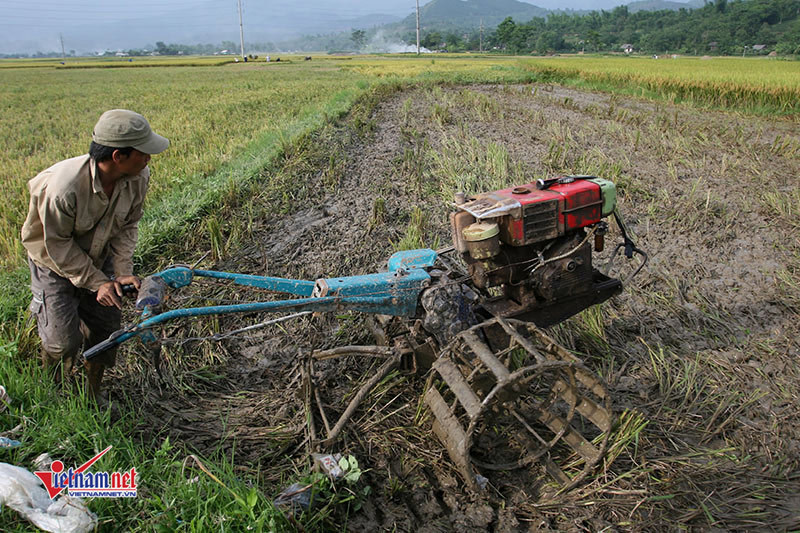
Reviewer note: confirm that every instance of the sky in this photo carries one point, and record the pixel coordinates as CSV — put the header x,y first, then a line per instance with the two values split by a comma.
x,y
28,26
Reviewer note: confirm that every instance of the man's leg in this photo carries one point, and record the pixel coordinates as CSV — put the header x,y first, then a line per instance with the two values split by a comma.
x,y
58,367
55,306
101,321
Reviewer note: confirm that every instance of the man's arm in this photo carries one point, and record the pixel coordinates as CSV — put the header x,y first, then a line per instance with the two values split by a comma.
x,y
121,247
123,243
58,221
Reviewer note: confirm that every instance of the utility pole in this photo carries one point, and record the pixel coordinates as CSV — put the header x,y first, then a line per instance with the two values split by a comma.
x,y
417,27
481,45
63,55
241,28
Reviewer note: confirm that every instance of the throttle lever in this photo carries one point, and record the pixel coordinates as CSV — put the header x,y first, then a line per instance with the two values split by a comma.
x,y
129,288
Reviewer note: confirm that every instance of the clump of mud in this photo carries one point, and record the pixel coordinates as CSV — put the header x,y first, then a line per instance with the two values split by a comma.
x,y
699,352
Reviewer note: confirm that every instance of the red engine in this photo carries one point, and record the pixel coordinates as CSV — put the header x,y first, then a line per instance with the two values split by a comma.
x,y
530,247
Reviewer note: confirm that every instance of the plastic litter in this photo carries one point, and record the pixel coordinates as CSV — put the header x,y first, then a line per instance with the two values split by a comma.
x,y
5,401
295,497
24,493
5,442
328,464
42,462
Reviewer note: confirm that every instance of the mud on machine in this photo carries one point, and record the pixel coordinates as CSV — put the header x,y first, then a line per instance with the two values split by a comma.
x,y
503,394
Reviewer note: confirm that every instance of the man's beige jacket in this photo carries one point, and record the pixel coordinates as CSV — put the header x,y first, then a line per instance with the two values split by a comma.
x,y
73,227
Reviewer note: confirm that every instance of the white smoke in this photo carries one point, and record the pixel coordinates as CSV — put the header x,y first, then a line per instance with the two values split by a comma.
x,y
382,44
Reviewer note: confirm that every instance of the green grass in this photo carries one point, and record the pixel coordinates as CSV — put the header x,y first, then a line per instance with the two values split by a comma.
x,y
174,494
224,124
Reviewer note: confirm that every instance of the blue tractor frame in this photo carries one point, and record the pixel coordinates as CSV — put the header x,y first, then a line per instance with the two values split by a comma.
x,y
395,293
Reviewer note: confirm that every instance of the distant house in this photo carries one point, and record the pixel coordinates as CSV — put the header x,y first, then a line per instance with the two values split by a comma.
x,y
759,47
713,45
627,48
120,54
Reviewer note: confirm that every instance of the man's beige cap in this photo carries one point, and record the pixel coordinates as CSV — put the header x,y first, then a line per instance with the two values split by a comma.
x,y
120,128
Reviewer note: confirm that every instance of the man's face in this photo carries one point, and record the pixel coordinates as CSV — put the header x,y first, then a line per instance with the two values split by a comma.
x,y
133,163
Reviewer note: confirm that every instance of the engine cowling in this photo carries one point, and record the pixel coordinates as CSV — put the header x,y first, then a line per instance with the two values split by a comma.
x,y
532,245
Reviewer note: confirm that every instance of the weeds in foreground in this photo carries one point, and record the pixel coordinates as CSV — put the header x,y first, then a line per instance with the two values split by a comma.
x,y
466,164
333,500
784,204
627,433
416,231
378,216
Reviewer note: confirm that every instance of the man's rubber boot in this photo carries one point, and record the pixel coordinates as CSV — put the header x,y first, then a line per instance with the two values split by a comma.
x,y
94,377
59,369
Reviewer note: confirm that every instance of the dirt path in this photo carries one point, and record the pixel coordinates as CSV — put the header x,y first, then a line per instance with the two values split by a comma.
x,y
702,345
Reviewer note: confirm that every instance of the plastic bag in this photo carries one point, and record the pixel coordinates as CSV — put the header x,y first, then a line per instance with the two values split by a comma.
x,y
24,492
296,497
5,442
5,401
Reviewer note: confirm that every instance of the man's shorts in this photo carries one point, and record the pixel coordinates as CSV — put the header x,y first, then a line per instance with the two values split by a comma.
x,y
60,307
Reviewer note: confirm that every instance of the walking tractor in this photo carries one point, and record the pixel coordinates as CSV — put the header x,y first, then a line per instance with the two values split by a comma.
x,y
503,394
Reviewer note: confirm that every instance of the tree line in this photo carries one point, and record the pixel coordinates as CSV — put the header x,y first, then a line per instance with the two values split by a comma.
x,y
720,27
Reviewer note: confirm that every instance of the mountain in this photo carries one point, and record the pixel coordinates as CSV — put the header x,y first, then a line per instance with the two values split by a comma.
x,y
467,14
457,15
659,5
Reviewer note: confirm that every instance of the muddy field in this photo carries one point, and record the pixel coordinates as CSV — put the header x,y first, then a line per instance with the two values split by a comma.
x,y
699,351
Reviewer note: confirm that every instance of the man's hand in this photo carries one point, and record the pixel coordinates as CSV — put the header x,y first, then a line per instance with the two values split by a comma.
x,y
110,292
130,280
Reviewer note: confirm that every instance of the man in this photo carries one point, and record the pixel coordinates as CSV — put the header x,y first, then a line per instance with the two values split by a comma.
x,y
80,235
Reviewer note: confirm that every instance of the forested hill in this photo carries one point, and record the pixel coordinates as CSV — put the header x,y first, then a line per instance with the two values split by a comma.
x,y
721,27
446,15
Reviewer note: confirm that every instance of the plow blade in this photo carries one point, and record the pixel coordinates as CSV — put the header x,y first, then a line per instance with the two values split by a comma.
x,y
506,396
